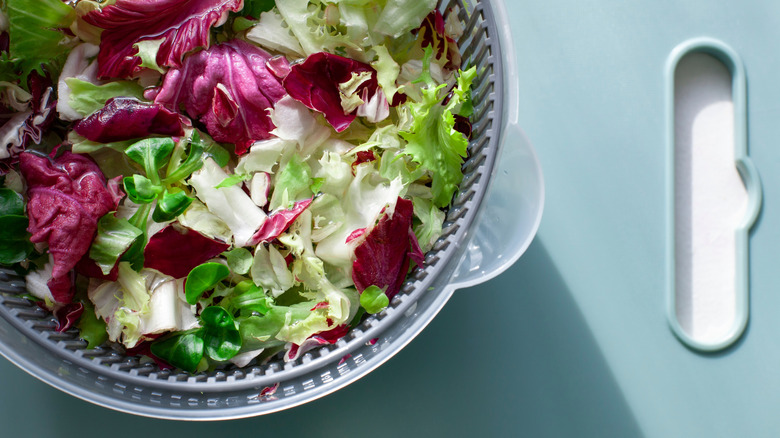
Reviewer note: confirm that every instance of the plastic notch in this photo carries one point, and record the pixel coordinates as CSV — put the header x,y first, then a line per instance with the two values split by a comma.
x,y
747,172
512,209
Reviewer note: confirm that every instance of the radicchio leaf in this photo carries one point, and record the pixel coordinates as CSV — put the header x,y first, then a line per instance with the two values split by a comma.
x,y
125,118
327,337
67,315
62,288
229,89
183,24
278,222
433,33
382,259
362,157
30,125
89,268
176,250
67,196
315,83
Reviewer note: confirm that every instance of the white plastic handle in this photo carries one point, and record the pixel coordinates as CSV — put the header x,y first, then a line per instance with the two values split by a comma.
x,y
512,209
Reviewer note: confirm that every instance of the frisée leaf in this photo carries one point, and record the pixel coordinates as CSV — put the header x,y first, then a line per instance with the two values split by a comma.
x,y
433,141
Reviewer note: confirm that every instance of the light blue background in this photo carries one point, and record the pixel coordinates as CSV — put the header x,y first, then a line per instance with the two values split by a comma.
x,y
572,341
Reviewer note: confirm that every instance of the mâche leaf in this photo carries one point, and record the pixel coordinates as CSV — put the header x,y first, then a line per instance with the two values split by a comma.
x,y
203,278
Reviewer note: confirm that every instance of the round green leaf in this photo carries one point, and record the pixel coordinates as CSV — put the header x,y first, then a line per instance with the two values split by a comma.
x,y
373,299
182,350
140,189
151,152
173,203
202,278
11,202
221,337
239,260
14,228
15,245
12,252
217,317
91,328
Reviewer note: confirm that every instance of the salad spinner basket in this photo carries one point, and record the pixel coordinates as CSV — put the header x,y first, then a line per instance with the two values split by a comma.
x,y
492,220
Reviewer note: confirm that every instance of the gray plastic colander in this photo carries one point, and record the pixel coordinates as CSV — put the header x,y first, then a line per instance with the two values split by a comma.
x,y
493,218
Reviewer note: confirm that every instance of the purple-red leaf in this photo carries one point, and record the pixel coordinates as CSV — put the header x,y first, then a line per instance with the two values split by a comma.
x,y
433,33
21,128
67,196
363,157
183,24
315,83
125,118
322,338
63,288
278,222
382,259
176,250
229,89
67,315
89,268
415,252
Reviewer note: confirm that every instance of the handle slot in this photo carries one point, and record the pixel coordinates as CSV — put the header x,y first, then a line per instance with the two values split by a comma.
x,y
713,195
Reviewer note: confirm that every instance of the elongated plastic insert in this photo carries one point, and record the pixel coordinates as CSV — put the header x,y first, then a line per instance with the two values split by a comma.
x,y
713,195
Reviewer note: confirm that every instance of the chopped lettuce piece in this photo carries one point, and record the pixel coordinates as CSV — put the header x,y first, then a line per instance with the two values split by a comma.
x,y
401,16
34,33
67,196
114,237
231,204
184,25
270,32
126,118
432,139
79,65
318,83
382,258
291,184
176,250
231,101
431,220
86,97
147,51
365,198
140,304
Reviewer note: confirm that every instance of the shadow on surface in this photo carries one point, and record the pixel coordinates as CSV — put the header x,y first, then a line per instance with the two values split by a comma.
x,y
512,357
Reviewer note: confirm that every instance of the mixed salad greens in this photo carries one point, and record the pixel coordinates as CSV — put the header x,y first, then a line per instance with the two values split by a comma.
x,y
204,181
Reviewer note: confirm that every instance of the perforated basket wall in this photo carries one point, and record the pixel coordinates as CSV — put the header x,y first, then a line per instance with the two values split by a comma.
x,y
107,377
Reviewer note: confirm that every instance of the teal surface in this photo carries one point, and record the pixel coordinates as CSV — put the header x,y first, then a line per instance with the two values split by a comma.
x,y
572,341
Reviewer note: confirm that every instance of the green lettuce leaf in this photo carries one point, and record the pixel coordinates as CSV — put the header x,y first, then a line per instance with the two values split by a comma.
x,y
432,139
86,97
33,32
387,71
91,328
114,237
239,260
292,183
431,220
401,16
147,51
